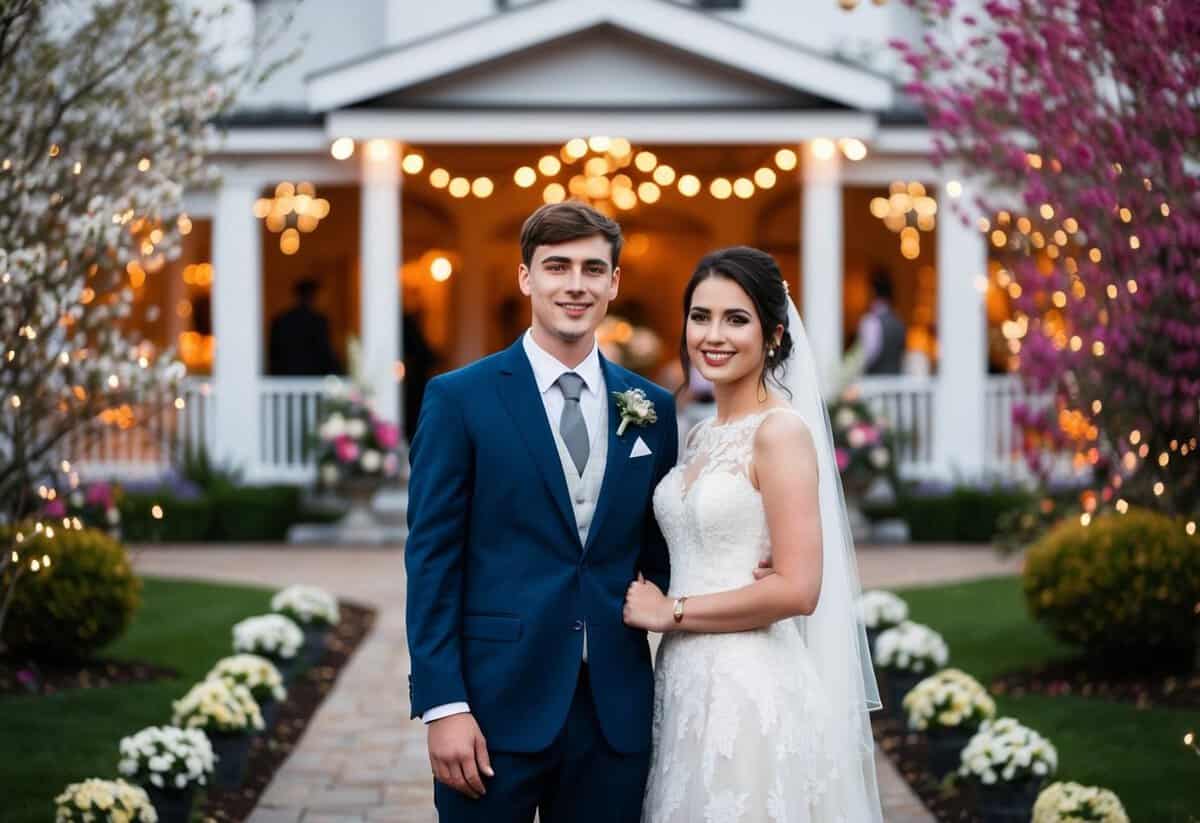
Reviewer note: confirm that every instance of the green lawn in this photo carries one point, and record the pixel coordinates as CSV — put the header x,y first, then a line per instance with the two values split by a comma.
x,y
48,742
1139,754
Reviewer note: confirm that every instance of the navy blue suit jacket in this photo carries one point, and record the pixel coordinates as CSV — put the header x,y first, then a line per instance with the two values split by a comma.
x,y
499,587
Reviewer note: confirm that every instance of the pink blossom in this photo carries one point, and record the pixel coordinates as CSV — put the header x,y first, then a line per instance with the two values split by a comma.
x,y
55,508
387,434
843,458
99,494
346,449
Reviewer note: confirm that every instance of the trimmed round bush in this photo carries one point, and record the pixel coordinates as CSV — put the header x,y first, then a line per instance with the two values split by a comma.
x,y
1126,584
82,602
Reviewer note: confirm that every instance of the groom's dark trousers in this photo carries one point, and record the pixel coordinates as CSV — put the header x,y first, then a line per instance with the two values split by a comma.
x,y
501,593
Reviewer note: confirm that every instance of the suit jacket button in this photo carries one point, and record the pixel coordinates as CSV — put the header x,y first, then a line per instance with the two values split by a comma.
x,y
578,626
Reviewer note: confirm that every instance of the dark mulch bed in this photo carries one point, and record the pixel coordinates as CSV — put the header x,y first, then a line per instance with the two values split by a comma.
x,y
948,802
953,802
44,678
305,693
1141,686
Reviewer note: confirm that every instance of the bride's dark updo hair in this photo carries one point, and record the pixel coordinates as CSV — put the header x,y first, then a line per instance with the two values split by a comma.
x,y
758,275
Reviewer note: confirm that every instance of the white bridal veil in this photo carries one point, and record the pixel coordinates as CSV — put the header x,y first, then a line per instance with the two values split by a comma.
x,y
834,633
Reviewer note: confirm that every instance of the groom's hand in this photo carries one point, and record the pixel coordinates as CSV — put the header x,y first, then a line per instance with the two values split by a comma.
x,y
459,755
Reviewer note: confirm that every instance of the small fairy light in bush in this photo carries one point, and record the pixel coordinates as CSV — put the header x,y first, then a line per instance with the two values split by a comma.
x,y
156,512
1190,528
1085,519
1189,740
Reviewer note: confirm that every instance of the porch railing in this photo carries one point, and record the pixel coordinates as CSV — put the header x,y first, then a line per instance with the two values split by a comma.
x,y
907,403
290,407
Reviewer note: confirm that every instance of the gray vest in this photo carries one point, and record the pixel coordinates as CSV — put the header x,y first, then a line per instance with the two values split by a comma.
x,y
585,490
892,342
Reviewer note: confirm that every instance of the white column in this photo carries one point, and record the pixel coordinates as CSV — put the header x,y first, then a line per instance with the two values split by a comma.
x,y
471,293
237,321
379,244
962,346
821,264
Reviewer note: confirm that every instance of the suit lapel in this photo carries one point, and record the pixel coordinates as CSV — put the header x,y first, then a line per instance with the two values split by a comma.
x,y
616,459
518,391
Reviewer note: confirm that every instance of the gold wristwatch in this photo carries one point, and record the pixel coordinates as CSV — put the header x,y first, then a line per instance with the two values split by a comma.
x,y
678,613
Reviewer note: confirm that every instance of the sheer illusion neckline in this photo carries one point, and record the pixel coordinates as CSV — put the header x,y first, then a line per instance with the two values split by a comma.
x,y
737,421
722,448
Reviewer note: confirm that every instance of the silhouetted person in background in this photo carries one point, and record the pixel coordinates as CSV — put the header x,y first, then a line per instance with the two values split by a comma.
x,y
881,331
299,339
420,361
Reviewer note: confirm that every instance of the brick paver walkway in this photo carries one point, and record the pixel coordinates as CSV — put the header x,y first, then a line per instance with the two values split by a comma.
x,y
362,759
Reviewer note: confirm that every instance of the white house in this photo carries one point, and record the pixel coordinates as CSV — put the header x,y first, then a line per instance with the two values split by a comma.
x,y
424,133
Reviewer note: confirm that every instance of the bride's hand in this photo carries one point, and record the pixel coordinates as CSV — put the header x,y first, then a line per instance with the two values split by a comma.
x,y
646,607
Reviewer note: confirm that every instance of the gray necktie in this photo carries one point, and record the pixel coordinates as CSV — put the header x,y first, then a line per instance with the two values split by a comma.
x,y
571,427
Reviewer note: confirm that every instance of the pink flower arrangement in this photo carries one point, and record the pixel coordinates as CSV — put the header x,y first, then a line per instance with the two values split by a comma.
x,y
346,449
351,441
388,434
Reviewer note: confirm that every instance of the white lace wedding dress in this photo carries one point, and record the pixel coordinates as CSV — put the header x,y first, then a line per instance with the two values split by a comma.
x,y
742,729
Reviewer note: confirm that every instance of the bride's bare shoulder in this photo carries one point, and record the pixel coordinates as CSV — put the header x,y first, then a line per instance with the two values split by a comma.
x,y
783,431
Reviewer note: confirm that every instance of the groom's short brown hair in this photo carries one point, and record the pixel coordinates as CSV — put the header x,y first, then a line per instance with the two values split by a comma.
x,y
569,220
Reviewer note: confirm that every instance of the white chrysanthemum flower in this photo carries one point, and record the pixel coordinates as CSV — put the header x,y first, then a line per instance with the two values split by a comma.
x,y
307,605
162,754
269,634
111,800
1074,803
880,609
1006,747
214,704
911,647
949,699
256,673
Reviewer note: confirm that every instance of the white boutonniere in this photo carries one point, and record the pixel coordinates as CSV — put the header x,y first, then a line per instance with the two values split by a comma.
x,y
635,408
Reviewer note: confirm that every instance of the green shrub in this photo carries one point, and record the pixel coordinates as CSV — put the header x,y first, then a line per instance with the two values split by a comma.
x,y
255,512
183,520
1126,584
963,514
82,602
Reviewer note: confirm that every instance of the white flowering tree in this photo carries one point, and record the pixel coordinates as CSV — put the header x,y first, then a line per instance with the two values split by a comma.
x,y
107,113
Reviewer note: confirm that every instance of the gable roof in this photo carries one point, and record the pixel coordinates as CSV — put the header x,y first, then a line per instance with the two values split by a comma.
x,y
675,29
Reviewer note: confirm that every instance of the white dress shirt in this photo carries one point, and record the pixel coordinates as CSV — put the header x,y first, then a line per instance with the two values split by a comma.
x,y
546,371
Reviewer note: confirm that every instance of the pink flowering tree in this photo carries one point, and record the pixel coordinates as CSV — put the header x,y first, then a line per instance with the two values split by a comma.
x,y
1081,120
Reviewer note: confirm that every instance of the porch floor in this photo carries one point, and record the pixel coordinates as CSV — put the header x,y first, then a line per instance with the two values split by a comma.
x,y
362,759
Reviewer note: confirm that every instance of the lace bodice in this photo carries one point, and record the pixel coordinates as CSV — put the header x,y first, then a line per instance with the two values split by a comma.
x,y
741,720
709,511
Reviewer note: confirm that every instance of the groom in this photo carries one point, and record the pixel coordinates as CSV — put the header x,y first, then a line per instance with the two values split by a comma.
x,y
529,514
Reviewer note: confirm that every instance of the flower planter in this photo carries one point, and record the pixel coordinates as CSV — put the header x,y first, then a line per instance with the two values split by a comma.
x,y
232,751
1007,802
314,644
944,748
172,805
270,713
359,492
899,684
289,667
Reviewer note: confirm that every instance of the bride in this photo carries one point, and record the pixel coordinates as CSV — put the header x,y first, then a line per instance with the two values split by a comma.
x,y
762,687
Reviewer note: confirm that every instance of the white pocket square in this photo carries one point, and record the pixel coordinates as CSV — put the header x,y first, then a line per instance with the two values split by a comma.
x,y
640,449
